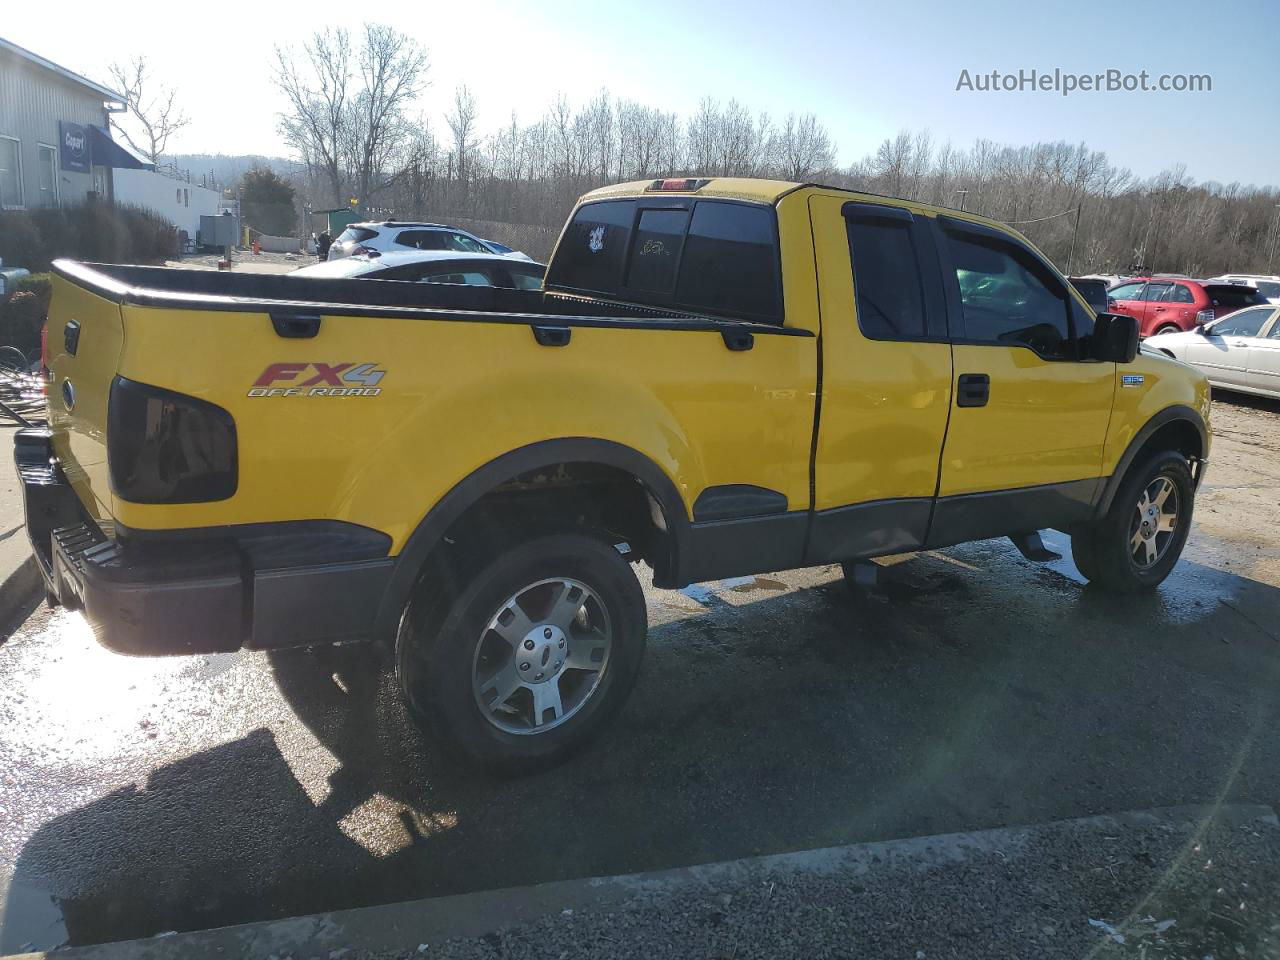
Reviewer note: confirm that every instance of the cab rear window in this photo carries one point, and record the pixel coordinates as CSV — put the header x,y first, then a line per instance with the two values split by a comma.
x,y
706,256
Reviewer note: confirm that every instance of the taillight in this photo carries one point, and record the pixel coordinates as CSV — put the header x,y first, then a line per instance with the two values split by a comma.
x,y
166,447
1205,316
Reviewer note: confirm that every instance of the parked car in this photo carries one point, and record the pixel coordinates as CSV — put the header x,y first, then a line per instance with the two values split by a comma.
x,y
1094,291
467,474
386,235
1167,304
1239,352
432,266
1268,284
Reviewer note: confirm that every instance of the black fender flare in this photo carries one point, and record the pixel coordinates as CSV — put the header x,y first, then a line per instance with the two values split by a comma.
x,y
1161,419
545,453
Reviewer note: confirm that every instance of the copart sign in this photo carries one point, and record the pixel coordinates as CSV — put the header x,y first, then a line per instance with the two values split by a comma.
x,y
349,379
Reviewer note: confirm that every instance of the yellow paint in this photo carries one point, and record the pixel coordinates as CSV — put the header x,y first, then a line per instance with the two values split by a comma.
x,y
457,395
1046,422
1166,383
79,436
884,404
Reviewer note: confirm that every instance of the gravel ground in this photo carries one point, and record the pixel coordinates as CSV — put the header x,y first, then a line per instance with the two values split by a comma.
x,y
1153,890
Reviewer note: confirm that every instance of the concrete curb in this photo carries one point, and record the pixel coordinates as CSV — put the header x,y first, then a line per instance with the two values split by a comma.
x,y
403,926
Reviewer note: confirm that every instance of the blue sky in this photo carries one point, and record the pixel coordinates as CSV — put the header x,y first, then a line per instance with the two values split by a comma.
x,y
867,70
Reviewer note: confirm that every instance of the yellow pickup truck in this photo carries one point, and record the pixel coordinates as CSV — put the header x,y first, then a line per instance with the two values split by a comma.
x,y
720,377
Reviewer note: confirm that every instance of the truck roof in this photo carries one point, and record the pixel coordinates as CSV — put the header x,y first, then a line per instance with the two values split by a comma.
x,y
771,191
734,188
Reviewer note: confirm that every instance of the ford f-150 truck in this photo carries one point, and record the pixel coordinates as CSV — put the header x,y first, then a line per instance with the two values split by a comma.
x,y
721,377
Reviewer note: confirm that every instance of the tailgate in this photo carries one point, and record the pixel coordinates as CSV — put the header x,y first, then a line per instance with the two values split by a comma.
x,y
86,333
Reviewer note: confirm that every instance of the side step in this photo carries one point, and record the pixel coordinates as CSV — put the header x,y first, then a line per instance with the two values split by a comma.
x,y
1032,547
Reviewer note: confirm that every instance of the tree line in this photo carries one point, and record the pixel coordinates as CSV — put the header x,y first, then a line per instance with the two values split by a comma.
x,y
350,119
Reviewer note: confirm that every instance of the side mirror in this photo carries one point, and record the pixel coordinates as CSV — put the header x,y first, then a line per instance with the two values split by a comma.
x,y
1115,338
1199,330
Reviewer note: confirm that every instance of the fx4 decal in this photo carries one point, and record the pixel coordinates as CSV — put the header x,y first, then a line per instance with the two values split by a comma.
x,y
318,380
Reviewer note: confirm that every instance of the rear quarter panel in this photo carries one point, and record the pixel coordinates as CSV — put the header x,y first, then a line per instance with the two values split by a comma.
x,y
456,395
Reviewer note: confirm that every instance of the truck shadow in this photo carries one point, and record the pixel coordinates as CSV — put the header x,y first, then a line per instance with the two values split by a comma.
x,y
947,699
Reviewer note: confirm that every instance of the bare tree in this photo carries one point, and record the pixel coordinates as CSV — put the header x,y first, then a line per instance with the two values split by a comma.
x,y
318,102
462,124
806,148
348,109
155,109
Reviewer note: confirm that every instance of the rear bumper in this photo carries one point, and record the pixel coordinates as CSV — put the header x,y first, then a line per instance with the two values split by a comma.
x,y
200,591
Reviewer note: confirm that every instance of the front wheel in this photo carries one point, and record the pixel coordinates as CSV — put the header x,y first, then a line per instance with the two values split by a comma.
x,y
523,662
1139,540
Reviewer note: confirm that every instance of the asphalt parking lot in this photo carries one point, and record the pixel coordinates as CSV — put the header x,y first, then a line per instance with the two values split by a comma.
x,y
972,689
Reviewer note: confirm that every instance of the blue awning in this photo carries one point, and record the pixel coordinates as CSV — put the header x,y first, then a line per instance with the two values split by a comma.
x,y
107,153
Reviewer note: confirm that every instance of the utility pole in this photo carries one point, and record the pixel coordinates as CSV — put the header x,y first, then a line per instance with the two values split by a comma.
x,y
1275,235
1071,255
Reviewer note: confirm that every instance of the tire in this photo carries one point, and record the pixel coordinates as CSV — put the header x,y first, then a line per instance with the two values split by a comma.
x,y
1168,328
483,681
1084,553
1115,552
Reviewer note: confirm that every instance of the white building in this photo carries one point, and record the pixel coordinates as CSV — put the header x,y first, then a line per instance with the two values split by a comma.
x,y
55,142
179,202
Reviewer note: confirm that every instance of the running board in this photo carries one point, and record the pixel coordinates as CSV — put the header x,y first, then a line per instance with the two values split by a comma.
x,y
1032,547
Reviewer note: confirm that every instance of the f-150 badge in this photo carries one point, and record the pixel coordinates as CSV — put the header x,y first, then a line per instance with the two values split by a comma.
x,y
316,379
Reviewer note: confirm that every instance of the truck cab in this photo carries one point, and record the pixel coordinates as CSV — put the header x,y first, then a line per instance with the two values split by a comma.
x,y
720,377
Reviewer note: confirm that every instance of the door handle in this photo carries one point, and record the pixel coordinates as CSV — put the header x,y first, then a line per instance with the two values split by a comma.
x,y
973,390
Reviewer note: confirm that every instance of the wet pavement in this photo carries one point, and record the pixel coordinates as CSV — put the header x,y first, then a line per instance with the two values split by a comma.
x,y
972,689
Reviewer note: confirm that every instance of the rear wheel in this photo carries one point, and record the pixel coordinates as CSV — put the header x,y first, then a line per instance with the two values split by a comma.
x,y
1167,328
525,660
1139,540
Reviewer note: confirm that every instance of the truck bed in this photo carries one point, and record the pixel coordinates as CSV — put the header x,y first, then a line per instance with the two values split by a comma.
x,y
283,295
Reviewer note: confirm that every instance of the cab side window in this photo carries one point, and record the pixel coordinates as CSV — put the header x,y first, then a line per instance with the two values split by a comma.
x,y
886,278
1008,297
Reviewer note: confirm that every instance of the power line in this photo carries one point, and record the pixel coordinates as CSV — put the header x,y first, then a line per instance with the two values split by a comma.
x,y
1038,219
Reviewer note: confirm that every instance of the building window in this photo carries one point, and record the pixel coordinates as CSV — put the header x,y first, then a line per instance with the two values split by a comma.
x,y
178,196
48,157
186,197
10,173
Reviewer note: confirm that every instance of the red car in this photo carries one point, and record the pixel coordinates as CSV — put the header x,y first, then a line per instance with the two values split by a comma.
x,y
1167,304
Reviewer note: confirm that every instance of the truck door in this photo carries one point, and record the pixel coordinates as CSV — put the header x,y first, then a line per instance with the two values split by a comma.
x,y
886,379
1029,418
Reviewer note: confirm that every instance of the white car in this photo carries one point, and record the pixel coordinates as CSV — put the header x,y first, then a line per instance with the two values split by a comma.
x,y
1266,284
1239,352
432,266
387,235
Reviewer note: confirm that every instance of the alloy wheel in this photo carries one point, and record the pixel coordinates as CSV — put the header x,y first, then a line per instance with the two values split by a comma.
x,y
542,656
1154,523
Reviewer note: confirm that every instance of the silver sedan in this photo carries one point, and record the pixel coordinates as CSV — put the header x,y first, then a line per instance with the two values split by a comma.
x,y
1239,352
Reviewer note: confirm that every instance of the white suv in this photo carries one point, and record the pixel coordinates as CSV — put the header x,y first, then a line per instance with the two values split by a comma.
x,y
389,235
1267,285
